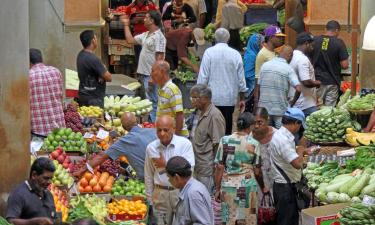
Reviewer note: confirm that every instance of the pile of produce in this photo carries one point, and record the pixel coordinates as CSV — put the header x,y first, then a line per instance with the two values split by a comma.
x,y
110,166
61,176
364,103
349,187
317,174
60,156
120,9
88,206
135,210
354,138
128,188
96,183
90,111
61,202
129,222
184,76
357,213
117,106
247,31
3,221
133,86
253,1
148,125
72,118
209,32
65,138
329,125
364,158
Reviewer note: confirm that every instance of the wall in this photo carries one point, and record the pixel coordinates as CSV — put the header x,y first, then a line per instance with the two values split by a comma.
x,y
367,66
47,30
14,99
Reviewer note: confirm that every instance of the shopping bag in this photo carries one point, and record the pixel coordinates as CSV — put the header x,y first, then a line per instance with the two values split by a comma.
x,y
267,211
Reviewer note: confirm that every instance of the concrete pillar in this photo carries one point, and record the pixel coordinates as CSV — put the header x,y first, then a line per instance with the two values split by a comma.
x,y
47,30
14,96
366,65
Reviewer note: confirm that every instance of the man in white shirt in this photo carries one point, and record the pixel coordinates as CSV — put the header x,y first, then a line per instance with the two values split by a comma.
x,y
159,191
306,75
222,70
285,157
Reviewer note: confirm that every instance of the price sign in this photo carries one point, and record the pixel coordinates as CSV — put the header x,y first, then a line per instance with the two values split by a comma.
x,y
88,135
368,200
107,116
102,134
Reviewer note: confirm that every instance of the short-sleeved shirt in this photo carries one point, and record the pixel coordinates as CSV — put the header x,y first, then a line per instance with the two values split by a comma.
x,y
186,11
275,78
178,40
233,153
136,12
46,96
328,53
199,7
208,132
133,147
283,152
263,56
232,16
170,103
25,203
152,43
305,71
90,74
194,205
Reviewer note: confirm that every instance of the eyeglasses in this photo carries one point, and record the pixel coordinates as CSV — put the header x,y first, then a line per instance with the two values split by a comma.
x,y
194,98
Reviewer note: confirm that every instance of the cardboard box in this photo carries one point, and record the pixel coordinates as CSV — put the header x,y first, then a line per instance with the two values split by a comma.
x,y
322,215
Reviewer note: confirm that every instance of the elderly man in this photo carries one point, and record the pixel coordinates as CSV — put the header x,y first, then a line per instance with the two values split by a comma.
x,y
159,191
276,76
31,202
46,96
132,146
208,128
222,70
170,97
194,204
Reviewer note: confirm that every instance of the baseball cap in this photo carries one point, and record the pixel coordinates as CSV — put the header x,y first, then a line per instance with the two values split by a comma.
x,y
304,37
296,114
199,36
272,30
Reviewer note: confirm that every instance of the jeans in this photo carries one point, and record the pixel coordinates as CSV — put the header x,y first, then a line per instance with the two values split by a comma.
x,y
285,204
152,95
275,121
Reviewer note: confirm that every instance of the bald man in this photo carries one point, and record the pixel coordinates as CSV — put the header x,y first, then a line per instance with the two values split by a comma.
x,y
276,76
159,191
132,146
169,97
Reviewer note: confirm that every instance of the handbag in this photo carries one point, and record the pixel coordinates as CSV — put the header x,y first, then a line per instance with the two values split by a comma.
x,y
267,211
302,193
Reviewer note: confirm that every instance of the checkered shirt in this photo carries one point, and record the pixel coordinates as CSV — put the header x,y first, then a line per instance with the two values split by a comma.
x,y
46,94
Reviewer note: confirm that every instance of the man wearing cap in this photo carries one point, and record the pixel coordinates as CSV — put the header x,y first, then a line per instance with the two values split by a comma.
x,y
288,160
194,201
330,56
276,76
223,72
305,72
177,46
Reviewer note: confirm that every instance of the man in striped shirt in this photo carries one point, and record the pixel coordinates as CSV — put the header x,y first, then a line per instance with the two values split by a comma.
x,y
169,95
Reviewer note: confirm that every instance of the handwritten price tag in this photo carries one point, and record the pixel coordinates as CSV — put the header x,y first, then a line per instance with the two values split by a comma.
x,y
88,135
102,134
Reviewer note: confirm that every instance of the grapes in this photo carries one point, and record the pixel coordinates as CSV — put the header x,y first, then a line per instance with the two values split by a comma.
x,y
110,166
72,118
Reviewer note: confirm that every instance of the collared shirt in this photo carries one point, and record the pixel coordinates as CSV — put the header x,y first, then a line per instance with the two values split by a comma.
x,y
232,16
46,94
25,203
170,103
179,146
263,56
199,7
222,70
219,10
152,43
194,205
210,128
133,147
305,71
138,12
283,152
275,77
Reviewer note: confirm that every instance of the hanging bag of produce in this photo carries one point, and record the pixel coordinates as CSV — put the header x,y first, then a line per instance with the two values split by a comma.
x,y
267,211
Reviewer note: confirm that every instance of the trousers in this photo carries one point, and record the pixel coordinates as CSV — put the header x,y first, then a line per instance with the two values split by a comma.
x,y
285,204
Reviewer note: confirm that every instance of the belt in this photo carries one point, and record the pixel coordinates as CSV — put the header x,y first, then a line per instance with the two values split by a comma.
x,y
169,188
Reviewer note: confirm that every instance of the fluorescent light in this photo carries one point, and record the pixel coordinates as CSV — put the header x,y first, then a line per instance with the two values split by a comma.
x,y
369,36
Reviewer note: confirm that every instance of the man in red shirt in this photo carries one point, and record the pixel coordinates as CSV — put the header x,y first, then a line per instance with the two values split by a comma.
x,y
46,96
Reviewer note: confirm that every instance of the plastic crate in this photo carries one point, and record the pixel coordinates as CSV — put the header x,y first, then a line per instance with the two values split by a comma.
x,y
261,16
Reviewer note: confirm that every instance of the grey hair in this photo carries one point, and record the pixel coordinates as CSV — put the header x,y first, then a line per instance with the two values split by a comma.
x,y
202,89
164,66
222,35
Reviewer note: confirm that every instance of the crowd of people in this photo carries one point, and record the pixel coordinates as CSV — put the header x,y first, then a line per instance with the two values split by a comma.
x,y
189,164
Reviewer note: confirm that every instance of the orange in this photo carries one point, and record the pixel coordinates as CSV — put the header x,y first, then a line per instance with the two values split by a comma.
x,y
97,188
107,188
88,188
83,182
93,182
81,189
88,176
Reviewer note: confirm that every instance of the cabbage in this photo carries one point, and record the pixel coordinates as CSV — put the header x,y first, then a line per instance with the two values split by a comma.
x,y
332,197
321,196
356,200
344,198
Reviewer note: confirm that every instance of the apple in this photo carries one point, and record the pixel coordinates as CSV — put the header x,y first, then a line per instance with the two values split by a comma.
x,y
59,150
116,122
67,160
61,158
66,165
55,154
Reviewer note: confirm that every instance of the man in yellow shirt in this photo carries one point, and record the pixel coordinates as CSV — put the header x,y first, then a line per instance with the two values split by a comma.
x,y
219,10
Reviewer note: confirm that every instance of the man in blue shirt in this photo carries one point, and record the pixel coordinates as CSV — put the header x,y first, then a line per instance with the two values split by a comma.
x,y
132,146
